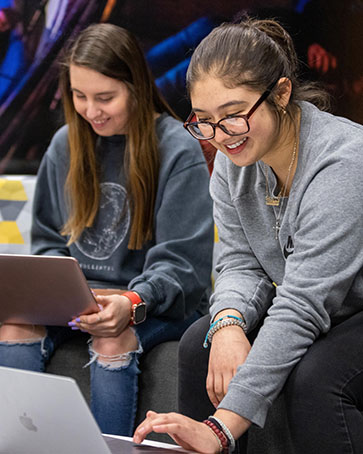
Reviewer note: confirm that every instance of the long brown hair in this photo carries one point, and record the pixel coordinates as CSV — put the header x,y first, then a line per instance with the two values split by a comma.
x,y
113,52
255,53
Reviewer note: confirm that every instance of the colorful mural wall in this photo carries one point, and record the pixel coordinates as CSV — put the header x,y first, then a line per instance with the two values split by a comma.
x,y
327,33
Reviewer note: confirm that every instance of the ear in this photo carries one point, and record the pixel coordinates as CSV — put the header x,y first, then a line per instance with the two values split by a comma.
x,y
284,88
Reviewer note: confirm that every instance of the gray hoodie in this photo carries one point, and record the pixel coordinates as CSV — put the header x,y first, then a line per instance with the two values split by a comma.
x,y
172,272
317,262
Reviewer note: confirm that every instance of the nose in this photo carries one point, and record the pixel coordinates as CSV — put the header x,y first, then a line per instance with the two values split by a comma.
x,y
220,136
92,111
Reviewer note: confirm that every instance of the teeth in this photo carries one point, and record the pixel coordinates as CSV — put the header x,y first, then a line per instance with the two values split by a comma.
x,y
237,144
99,122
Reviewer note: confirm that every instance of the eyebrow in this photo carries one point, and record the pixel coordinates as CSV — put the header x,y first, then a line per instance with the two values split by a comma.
x,y
111,92
225,105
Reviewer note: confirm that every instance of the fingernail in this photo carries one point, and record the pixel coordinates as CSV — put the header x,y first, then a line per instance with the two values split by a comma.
x,y
78,320
71,324
100,306
74,327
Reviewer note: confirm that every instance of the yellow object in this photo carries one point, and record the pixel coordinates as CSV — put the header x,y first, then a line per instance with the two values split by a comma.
x,y
216,238
12,190
9,233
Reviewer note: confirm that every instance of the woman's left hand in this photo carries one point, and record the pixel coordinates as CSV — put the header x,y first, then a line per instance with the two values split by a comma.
x,y
189,434
111,321
107,291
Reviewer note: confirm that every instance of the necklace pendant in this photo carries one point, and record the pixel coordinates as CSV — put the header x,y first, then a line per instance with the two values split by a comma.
x,y
277,228
272,201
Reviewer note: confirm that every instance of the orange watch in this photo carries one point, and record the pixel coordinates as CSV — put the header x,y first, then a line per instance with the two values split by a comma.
x,y
138,308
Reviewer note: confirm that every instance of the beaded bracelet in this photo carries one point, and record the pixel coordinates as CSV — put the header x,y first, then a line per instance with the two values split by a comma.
x,y
223,441
221,323
205,343
217,438
220,424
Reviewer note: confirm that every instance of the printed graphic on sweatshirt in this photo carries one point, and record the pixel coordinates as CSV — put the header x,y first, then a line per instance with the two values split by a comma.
x,y
111,225
289,247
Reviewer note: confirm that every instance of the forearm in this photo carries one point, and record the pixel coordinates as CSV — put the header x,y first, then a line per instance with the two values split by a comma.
x,y
226,312
236,424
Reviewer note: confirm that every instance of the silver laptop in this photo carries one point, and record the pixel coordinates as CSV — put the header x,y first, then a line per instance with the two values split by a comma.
x,y
43,290
47,414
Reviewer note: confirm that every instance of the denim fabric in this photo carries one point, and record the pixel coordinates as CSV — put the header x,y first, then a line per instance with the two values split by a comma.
x,y
323,394
114,395
30,356
113,390
33,355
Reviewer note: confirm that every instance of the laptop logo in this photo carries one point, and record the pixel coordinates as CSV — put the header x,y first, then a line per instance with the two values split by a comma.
x,y
27,422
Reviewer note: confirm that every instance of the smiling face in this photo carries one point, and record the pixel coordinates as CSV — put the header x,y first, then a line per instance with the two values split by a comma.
x,y
212,100
100,100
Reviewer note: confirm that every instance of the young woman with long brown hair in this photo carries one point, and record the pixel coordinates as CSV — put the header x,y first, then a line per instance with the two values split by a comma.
x,y
123,188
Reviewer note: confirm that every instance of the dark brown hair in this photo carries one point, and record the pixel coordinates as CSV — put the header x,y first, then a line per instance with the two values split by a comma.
x,y
255,53
113,52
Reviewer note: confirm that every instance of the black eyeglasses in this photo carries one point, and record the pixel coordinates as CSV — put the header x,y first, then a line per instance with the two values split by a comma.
x,y
233,125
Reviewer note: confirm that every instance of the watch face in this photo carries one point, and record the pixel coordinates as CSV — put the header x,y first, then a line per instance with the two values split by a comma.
x,y
139,313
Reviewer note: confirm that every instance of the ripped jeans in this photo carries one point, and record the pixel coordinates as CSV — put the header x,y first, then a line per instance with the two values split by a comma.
x,y
114,387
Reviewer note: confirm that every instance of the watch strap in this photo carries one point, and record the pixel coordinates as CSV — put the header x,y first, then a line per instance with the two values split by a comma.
x,y
133,297
135,301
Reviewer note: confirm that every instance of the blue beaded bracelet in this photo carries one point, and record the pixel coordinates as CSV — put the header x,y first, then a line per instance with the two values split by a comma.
x,y
214,327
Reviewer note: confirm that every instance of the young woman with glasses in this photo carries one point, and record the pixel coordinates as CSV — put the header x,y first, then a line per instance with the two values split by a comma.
x,y
287,309
123,188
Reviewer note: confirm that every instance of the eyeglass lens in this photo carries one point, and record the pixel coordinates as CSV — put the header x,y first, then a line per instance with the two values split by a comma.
x,y
231,125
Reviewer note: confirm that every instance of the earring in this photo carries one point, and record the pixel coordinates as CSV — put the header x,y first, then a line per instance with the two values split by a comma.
x,y
283,110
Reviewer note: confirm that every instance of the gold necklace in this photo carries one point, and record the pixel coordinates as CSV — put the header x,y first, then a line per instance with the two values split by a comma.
x,y
271,199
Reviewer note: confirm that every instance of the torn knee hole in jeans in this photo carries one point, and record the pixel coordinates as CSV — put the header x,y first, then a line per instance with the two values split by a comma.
x,y
111,361
35,338
29,340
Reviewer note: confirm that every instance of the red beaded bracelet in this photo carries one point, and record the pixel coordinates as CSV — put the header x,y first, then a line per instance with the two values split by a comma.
x,y
222,439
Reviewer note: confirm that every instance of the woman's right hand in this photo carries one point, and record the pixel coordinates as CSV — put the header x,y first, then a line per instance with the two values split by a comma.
x,y
111,321
229,350
186,432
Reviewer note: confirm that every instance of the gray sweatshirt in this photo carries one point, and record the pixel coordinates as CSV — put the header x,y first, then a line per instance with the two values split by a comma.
x,y
317,262
172,272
